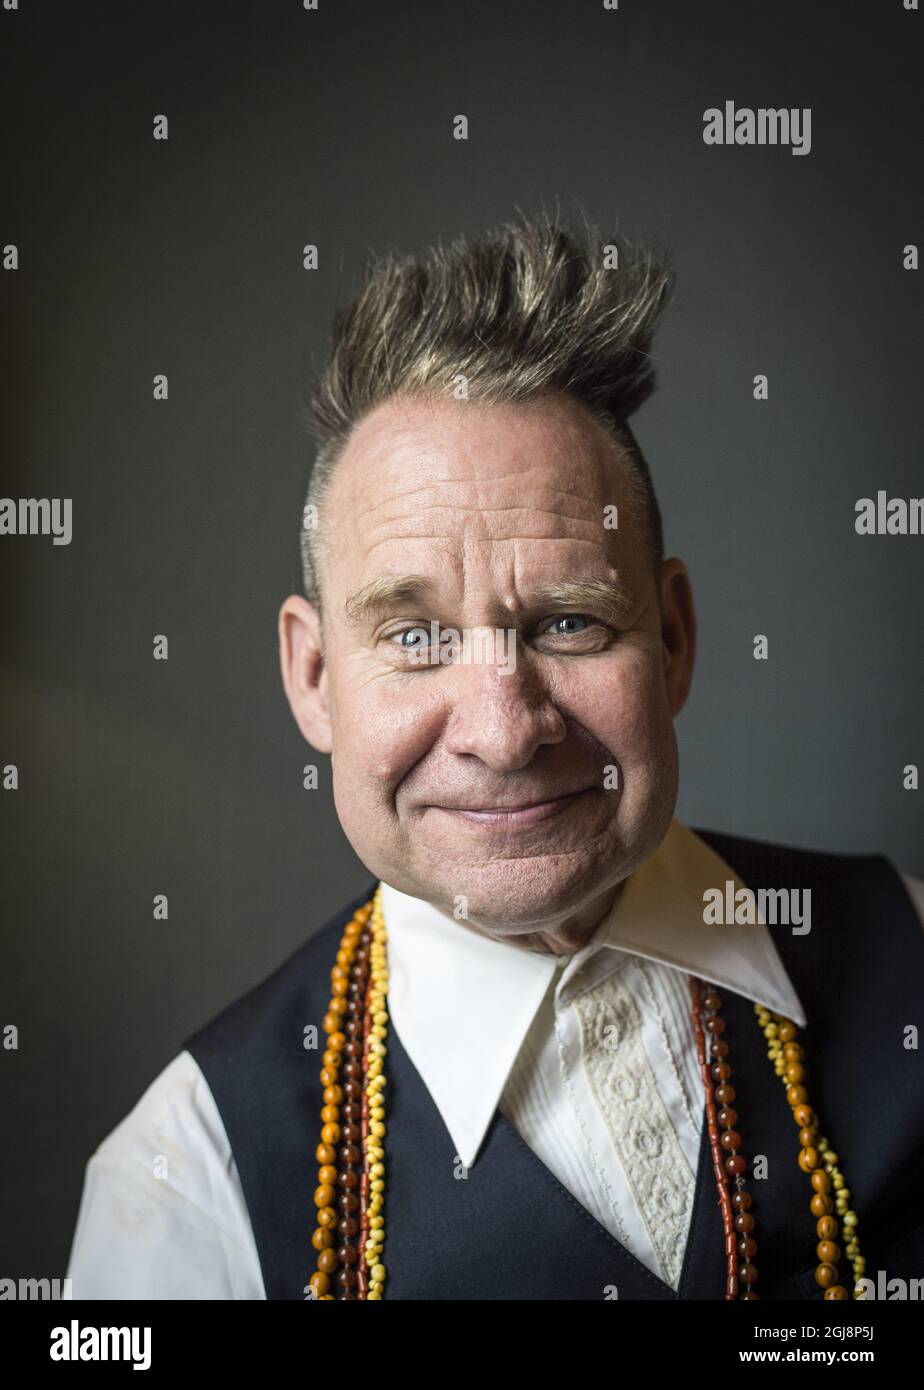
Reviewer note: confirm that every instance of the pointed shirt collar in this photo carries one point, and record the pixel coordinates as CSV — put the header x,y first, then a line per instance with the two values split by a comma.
x,y
462,1003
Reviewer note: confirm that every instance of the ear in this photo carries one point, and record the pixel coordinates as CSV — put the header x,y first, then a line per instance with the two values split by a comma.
x,y
678,632
304,674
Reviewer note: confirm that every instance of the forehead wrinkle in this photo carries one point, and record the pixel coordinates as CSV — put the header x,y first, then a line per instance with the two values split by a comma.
x,y
488,540
504,521
479,484
495,523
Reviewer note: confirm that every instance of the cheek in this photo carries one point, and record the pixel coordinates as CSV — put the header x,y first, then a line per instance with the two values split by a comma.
x,y
637,726
625,707
382,729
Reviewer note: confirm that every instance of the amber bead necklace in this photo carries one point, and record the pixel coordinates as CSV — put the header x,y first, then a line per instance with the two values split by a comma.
x,y
349,1235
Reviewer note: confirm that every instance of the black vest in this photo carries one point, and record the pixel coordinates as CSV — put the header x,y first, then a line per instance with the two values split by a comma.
x,y
510,1230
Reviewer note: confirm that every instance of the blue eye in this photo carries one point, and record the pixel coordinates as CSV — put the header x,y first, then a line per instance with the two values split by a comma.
x,y
568,618
412,632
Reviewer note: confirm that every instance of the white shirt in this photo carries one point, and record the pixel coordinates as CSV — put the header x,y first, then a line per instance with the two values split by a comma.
x,y
590,1056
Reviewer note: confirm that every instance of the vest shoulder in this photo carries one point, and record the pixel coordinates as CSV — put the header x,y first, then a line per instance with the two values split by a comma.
x,y
301,982
731,847
853,886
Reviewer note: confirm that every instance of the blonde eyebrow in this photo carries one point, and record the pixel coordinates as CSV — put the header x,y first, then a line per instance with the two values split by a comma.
x,y
384,592
608,597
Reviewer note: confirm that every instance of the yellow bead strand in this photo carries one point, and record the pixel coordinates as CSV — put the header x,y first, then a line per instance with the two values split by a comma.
x,y
375,1083
815,1158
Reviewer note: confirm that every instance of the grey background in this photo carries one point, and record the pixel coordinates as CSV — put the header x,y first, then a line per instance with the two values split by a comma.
x,y
138,257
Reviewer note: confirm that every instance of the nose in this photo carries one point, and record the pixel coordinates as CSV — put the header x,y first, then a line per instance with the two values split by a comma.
x,y
501,716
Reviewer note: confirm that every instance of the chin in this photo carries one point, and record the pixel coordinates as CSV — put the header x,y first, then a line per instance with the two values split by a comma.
x,y
527,892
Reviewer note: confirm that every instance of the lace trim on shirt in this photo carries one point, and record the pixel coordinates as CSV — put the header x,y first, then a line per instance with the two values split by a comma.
x,y
626,1091
669,979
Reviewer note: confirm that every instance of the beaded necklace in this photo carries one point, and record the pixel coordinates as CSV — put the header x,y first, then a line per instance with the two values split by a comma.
x,y
349,1235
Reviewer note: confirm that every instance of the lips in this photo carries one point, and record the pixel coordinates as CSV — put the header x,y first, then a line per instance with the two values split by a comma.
x,y
524,804
522,813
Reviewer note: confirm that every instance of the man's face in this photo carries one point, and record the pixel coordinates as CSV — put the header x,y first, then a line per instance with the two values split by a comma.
x,y
527,791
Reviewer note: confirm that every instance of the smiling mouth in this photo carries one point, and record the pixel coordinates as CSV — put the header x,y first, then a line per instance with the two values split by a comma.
x,y
508,817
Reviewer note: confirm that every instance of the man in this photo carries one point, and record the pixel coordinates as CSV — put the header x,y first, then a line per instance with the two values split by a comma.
x,y
492,649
